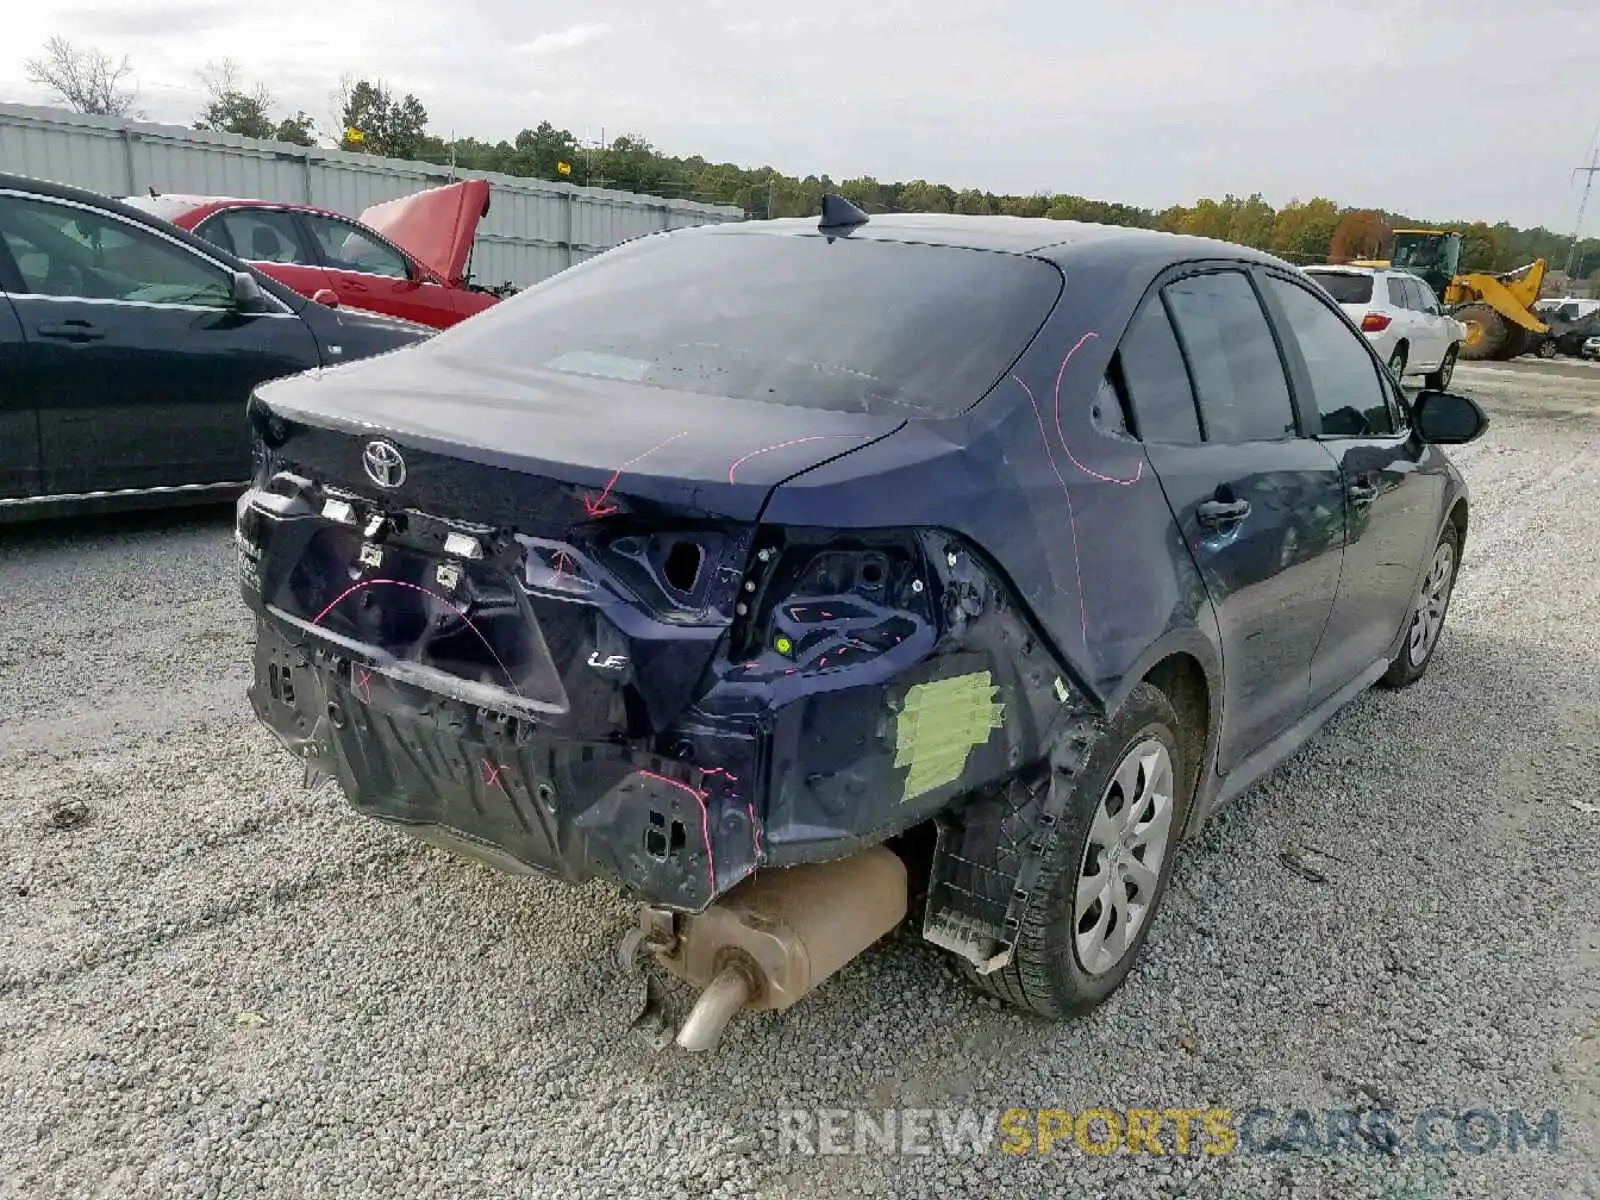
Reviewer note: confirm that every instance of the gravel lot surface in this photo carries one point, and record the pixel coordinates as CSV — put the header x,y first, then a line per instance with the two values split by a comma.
x,y
215,983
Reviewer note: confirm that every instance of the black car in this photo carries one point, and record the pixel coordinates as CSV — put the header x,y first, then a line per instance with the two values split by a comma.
x,y
128,349
1017,545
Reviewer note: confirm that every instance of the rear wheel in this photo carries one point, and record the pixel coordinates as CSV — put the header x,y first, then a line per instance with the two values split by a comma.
x,y
1487,331
1428,610
1105,867
1397,363
1547,347
1440,379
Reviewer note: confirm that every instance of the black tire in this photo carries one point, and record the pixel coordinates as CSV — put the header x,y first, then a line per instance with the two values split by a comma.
x,y
1438,380
1045,974
1397,363
1519,341
1407,668
1547,347
1493,331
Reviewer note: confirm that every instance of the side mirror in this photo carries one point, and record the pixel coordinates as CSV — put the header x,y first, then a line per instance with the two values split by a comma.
x,y
326,296
246,294
1446,419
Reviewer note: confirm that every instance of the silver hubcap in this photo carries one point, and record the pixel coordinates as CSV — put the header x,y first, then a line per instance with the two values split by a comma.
x,y
1397,364
1448,369
1123,858
1432,599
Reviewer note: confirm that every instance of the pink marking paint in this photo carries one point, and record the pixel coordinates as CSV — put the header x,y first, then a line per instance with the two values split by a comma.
x,y
400,583
599,508
1138,472
799,441
705,819
491,776
364,684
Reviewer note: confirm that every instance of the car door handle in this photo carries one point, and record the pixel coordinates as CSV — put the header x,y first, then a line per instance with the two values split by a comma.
x,y
1213,513
72,331
353,285
1361,493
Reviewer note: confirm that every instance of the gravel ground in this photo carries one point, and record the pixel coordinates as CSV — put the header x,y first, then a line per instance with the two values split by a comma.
x,y
214,983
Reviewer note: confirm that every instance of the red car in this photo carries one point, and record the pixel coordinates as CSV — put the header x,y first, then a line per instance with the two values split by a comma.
x,y
407,258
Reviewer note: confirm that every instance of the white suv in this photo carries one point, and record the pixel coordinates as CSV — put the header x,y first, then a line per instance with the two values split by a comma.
x,y
1401,317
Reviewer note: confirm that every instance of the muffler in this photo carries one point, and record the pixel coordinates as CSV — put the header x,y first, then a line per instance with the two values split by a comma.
x,y
774,937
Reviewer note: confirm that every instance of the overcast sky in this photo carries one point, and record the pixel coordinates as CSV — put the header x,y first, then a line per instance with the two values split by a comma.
x,y
1476,109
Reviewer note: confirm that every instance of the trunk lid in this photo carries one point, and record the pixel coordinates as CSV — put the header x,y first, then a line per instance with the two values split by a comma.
x,y
480,442
436,227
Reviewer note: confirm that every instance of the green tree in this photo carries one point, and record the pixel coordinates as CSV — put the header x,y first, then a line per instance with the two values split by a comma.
x,y
1024,206
231,109
1250,222
1302,231
921,196
300,130
973,202
1480,248
375,122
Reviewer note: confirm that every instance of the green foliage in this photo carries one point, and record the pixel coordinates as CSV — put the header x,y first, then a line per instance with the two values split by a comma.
x,y
388,127
1302,231
234,112
298,130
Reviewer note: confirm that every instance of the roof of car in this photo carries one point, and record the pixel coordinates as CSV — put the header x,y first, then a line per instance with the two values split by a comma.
x,y
1040,236
166,205
1342,269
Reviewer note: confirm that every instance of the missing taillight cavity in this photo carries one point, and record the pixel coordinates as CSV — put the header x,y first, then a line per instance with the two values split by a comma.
x,y
681,567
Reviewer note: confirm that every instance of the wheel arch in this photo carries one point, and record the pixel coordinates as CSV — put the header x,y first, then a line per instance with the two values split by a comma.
x,y
1187,668
1457,516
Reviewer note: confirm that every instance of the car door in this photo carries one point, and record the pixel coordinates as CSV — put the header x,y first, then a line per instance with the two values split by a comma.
x,y
1392,503
272,239
1404,317
19,414
1259,505
367,272
138,357
1437,330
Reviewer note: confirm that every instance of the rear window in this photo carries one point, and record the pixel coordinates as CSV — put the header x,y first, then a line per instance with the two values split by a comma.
x,y
1344,287
847,324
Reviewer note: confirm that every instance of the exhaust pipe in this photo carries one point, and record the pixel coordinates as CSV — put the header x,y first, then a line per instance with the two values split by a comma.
x,y
774,937
727,994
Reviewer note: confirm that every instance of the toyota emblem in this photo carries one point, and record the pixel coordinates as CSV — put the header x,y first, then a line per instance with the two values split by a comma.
x,y
385,465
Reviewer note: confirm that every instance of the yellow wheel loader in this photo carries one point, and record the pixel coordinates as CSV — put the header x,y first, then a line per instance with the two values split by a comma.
x,y
1496,309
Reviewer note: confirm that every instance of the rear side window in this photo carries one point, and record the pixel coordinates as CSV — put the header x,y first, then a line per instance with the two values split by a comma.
x,y
1156,380
1345,287
846,324
1244,396
1397,293
1345,378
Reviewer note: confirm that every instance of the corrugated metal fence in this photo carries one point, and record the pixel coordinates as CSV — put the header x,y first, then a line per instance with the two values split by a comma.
x,y
535,227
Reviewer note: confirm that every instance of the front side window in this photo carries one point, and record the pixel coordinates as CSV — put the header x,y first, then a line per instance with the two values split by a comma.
x,y
1233,360
65,251
1345,379
258,234
346,248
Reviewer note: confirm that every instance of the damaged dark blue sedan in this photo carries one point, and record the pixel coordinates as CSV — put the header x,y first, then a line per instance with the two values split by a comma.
x,y
798,574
